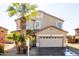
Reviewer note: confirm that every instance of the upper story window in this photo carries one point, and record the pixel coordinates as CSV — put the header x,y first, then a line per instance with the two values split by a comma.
x,y
37,24
59,24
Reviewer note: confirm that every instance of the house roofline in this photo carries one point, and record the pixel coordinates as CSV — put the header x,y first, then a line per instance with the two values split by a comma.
x,y
19,18
50,15
77,29
38,30
3,28
16,31
46,14
51,26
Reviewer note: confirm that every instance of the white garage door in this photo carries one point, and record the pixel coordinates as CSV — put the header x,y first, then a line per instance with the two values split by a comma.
x,y
51,41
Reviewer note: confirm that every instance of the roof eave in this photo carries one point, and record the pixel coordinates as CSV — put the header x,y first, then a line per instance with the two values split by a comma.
x,y
3,28
54,27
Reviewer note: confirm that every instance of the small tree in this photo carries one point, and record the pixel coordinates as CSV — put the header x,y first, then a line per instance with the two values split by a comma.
x,y
1,48
24,11
13,37
16,38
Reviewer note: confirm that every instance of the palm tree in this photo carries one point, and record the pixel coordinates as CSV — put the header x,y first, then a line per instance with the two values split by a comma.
x,y
23,10
16,38
12,37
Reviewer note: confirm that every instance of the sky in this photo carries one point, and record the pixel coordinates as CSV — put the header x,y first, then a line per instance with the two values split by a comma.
x,y
69,12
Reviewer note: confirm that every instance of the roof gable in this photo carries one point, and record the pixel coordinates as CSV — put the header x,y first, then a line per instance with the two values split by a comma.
x,y
51,15
52,27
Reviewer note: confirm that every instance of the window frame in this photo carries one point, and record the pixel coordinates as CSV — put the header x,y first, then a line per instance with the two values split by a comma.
x,y
38,26
60,25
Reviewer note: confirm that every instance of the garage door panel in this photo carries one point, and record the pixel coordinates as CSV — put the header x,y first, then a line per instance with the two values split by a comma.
x,y
46,41
59,42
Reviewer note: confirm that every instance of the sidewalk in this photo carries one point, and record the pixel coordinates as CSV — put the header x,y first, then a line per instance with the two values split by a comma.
x,y
73,47
10,50
8,46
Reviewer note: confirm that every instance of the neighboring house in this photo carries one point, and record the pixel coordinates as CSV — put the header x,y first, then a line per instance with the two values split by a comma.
x,y
77,34
74,38
3,33
71,39
47,29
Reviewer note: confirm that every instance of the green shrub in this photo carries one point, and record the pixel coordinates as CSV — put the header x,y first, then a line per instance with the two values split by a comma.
x,y
1,49
32,41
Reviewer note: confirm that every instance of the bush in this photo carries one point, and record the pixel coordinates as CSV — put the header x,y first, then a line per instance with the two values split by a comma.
x,y
32,41
1,48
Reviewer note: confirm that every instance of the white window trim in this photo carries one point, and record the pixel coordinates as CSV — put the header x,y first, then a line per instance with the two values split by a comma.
x,y
50,35
57,23
35,24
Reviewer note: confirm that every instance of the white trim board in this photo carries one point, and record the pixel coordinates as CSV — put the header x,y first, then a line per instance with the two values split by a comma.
x,y
50,35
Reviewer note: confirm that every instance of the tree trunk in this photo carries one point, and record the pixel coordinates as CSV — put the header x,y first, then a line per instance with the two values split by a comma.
x,y
17,47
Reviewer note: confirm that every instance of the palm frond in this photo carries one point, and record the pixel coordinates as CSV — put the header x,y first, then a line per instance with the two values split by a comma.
x,y
10,8
16,4
22,9
12,12
33,7
27,17
34,13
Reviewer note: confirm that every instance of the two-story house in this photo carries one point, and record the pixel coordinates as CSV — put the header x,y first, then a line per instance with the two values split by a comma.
x,y
77,35
47,29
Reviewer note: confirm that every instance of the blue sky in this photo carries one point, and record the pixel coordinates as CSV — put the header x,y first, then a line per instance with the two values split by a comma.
x,y
69,12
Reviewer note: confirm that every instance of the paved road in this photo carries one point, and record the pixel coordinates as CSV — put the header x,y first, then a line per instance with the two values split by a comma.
x,y
47,51
44,52
74,45
68,51
34,51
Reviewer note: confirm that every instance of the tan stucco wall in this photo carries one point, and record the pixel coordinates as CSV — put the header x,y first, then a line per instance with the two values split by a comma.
x,y
47,20
76,37
51,31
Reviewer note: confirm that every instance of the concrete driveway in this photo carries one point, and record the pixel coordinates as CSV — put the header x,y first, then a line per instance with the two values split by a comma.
x,y
46,51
